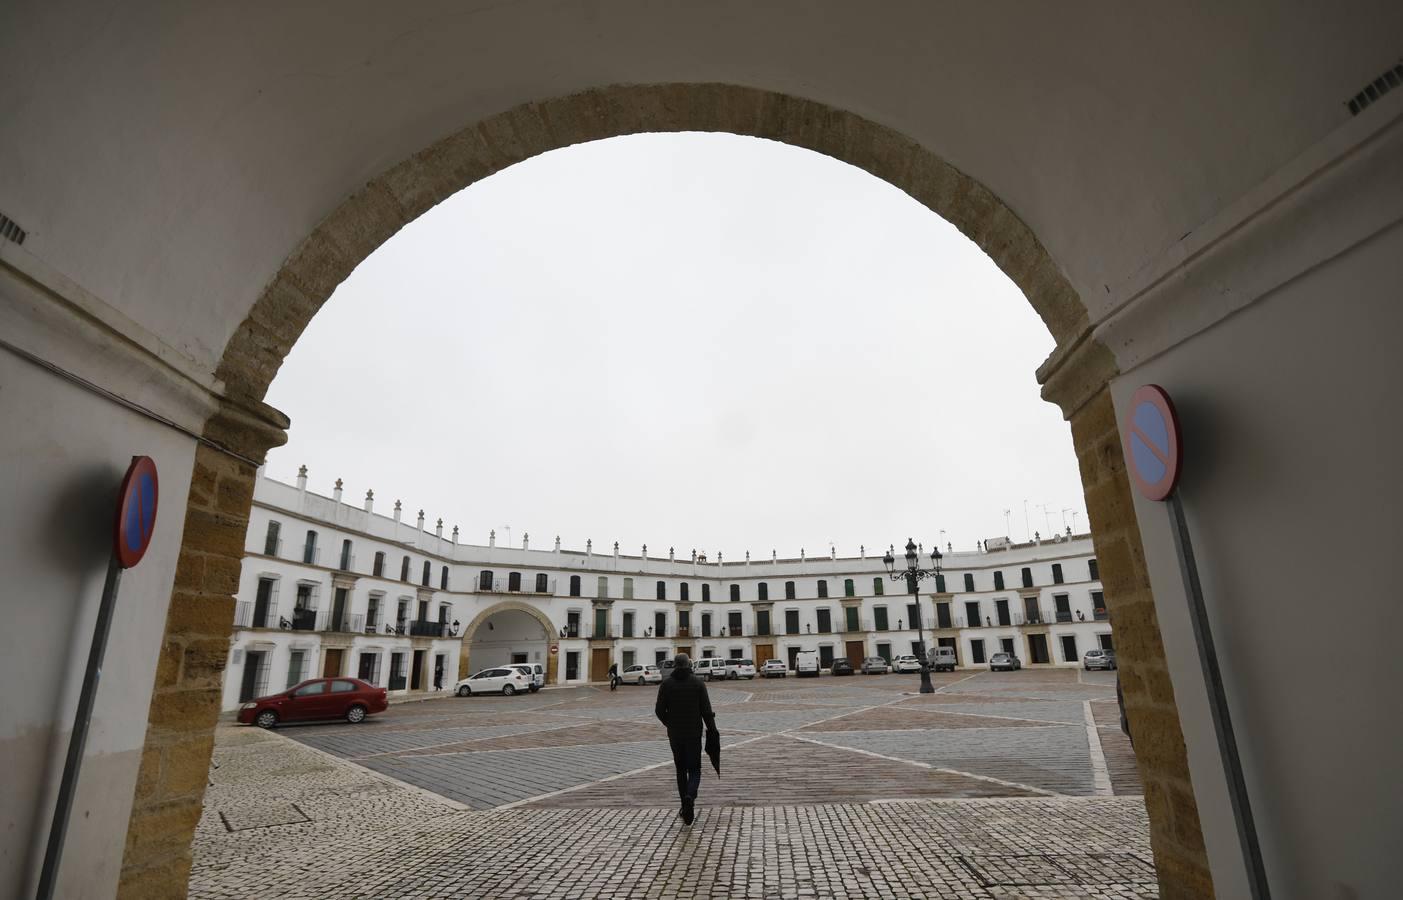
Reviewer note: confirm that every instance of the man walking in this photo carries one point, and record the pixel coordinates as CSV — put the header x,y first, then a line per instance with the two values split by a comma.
x,y
685,708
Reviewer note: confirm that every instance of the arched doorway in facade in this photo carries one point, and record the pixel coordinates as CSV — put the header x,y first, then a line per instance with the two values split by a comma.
x,y
1075,377
507,633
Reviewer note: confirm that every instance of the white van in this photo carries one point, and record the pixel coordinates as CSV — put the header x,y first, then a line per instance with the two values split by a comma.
x,y
943,659
806,663
709,668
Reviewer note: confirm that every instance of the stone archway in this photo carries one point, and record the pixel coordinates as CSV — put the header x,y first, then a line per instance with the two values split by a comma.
x,y
470,634
185,700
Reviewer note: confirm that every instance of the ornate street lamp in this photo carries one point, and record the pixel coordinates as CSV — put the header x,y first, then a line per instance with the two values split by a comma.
x,y
913,573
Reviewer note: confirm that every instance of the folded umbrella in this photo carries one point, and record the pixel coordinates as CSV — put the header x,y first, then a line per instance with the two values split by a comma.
x,y
713,748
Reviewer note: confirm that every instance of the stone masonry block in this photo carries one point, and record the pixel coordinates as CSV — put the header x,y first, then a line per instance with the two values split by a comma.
x,y
163,827
168,665
215,533
186,769
168,878
204,661
185,711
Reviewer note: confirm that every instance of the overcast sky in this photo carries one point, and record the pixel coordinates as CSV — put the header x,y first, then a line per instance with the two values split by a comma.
x,y
699,341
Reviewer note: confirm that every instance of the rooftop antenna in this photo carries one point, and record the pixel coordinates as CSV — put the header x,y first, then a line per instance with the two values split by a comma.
x,y
1027,529
1064,516
1008,531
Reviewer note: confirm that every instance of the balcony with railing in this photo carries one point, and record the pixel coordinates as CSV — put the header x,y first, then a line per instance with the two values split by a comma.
x,y
603,634
347,623
429,628
248,615
304,619
1099,614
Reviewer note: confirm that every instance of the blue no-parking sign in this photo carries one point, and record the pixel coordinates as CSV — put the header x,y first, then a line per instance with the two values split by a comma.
x,y
1153,450
136,511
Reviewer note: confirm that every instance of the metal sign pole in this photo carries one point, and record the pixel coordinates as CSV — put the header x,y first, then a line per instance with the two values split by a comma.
x,y
59,826
1218,704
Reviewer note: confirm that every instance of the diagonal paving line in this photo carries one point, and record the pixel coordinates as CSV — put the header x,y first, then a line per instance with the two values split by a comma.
x,y
1100,777
924,765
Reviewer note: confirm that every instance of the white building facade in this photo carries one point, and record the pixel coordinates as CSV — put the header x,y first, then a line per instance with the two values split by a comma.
x,y
328,588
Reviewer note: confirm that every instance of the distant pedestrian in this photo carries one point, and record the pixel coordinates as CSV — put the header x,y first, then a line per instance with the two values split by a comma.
x,y
685,708
613,676
438,678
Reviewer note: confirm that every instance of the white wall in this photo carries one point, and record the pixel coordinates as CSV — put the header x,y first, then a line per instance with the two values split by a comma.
x,y
1291,438
62,456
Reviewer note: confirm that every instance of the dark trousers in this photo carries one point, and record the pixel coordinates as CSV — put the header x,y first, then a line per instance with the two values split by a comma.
x,y
686,756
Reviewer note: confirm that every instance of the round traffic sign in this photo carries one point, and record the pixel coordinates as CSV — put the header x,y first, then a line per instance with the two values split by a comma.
x,y
136,511
1153,449
554,649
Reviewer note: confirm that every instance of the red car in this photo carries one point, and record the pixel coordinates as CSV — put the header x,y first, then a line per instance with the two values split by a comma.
x,y
321,698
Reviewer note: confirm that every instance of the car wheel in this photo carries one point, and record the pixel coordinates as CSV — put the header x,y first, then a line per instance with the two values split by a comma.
x,y
464,691
266,719
356,714
508,690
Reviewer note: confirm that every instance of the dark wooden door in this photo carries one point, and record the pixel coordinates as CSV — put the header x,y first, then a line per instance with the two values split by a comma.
x,y
855,649
331,666
599,664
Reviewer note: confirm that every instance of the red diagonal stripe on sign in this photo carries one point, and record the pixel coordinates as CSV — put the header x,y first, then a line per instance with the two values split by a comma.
x,y
1163,457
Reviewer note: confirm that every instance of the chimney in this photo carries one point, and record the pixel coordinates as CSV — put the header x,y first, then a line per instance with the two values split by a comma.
x,y
336,491
557,543
616,550
370,501
492,538
862,551
421,520
747,558
832,552
455,534
645,552
589,548
438,532
526,540
397,511
302,479
672,554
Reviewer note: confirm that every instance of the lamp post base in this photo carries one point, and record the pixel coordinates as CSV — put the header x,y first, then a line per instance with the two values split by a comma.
x,y
926,686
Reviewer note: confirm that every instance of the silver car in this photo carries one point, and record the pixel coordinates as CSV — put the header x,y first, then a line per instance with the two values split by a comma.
x,y
875,665
1005,662
1099,659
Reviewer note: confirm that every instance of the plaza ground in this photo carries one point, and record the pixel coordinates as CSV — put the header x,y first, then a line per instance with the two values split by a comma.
x,y
998,785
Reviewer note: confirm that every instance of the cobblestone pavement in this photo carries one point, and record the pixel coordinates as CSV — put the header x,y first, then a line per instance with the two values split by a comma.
x,y
1010,785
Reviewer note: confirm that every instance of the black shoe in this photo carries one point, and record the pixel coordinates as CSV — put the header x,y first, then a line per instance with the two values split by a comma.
x,y
687,814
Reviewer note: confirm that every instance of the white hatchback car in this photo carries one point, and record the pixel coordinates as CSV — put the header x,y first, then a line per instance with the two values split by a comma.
x,y
502,680
906,664
774,667
641,675
740,668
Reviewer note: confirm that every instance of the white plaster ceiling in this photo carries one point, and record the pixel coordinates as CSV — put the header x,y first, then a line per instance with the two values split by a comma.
x,y
168,156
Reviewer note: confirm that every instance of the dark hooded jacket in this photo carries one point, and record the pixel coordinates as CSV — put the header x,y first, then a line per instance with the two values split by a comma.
x,y
683,704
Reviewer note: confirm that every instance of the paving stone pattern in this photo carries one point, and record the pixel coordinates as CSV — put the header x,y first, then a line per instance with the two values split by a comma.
x,y
836,788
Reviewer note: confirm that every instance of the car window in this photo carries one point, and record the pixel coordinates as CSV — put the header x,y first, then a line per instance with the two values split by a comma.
x,y
307,690
340,687
485,673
